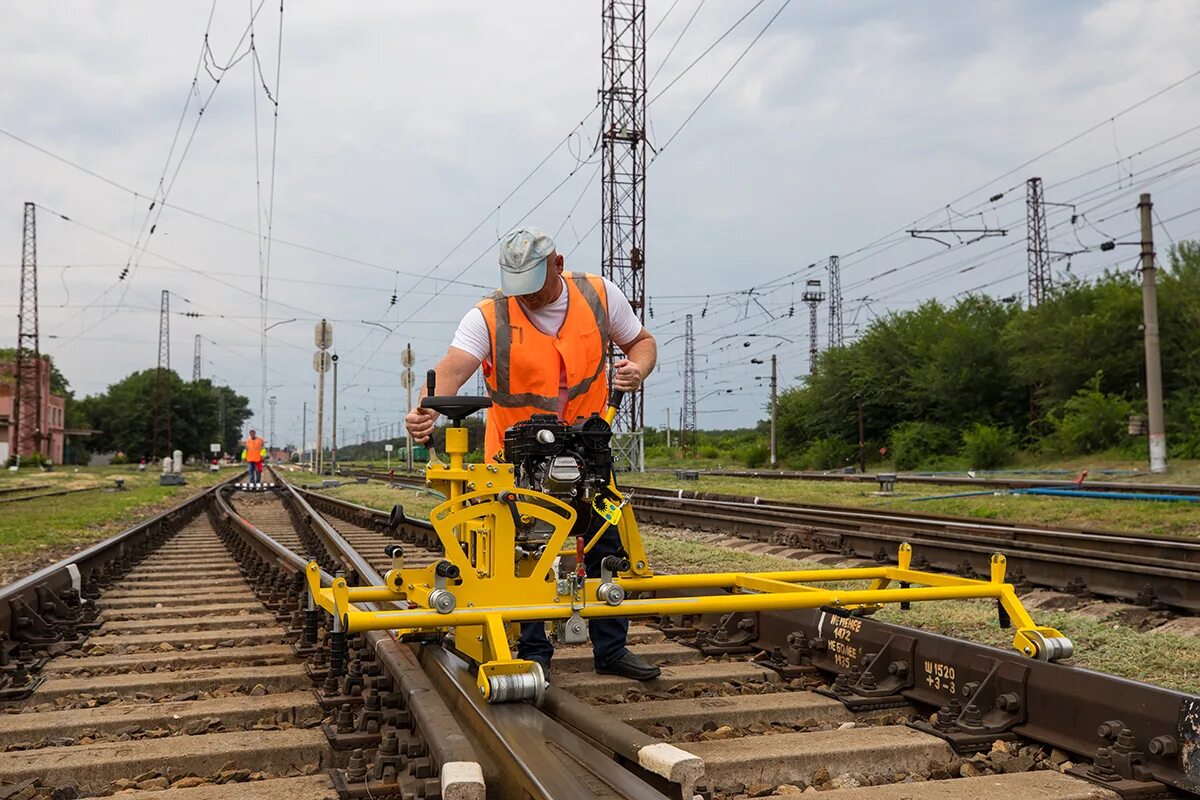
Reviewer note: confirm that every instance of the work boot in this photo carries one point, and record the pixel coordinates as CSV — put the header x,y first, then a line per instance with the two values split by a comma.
x,y
630,665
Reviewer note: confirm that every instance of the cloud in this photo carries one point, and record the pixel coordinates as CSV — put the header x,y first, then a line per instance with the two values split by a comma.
x,y
403,127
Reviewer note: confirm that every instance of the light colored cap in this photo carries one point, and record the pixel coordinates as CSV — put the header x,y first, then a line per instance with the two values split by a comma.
x,y
523,260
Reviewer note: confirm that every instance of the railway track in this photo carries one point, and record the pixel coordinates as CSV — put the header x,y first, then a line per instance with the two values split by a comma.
x,y
195,665
57,493
754,697
1148,570
1158,572
998,483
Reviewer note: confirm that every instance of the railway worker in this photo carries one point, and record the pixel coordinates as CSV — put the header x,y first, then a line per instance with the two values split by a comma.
x,y
253,455
542,341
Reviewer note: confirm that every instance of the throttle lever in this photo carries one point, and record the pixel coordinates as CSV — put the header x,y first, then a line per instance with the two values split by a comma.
x,y
510,499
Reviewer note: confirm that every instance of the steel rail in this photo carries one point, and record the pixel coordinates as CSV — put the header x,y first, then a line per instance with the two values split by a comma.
x,y
1172,547
951,480
529,753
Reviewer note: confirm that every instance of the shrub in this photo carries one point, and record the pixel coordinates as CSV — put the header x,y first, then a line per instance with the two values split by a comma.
x,y
119,458
1090,421
32,460
754,456
709,451
915,444
987,446
828,452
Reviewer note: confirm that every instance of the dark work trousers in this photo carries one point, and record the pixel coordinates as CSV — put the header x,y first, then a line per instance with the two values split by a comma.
x,y
608,635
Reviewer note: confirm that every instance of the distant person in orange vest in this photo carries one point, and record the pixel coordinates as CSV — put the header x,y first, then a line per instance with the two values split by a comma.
x,y
254,455
543,342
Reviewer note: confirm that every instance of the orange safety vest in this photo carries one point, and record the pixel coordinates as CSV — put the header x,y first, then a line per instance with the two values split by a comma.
x,y
524,379
254,448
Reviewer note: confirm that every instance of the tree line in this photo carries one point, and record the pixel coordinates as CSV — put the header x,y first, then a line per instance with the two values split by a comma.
x,y
124,416
978,379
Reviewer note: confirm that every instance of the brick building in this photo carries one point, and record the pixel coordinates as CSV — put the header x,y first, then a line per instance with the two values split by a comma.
x,y
50,439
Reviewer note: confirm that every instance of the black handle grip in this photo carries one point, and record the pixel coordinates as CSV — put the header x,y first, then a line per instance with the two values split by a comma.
x,y
445,569
615,397
393,550
615,563
430,382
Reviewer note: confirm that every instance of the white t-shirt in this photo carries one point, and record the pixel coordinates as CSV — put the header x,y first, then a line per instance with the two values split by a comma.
x,y
623,325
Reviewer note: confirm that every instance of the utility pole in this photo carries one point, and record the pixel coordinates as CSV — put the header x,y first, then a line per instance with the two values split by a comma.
x,y
323,338
1154,397
862,438
774,408
27,397
667,429
812,297
162,382
836,331
271,400
1037,246
196,360
303,432
221,416
687,435
333,445
406,380
623,187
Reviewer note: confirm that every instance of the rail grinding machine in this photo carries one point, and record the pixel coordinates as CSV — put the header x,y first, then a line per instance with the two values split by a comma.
x,y
505,530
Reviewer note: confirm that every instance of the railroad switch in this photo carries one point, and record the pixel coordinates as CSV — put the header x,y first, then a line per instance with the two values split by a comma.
x,y
513,553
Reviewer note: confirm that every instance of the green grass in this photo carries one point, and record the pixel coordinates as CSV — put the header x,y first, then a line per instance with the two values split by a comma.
x,y
71,520
1156,518
1106,646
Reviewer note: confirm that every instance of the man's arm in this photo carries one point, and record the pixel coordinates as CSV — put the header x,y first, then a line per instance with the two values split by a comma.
x,y
455,368
641,354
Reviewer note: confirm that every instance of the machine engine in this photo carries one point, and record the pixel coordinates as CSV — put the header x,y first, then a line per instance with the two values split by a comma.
x,y
570,462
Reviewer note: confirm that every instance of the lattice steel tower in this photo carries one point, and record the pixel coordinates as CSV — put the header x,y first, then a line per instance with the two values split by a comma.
x,y
813,296
687,434
196,361
1038,242
161,444
623,175
27,397
835,302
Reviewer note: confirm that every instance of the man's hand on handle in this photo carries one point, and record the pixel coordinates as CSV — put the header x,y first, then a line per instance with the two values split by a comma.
x,y
627,375
419,423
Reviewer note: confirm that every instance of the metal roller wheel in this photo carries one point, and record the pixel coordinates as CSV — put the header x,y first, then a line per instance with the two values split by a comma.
x,y
523,687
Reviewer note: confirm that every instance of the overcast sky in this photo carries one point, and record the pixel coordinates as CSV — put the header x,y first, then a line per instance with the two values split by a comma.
x,y
403,130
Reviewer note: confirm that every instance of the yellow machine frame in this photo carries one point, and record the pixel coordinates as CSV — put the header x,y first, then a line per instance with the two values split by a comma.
x,y
492,585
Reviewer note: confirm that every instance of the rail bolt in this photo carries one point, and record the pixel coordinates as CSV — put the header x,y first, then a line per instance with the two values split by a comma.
x,y
1162,746
969,689
898,668
1110,729
1009,701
